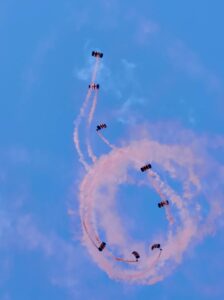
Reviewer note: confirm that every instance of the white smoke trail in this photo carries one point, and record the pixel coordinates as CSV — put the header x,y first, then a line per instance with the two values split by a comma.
x,y
81,115
78,149
92,110
90,118
106,141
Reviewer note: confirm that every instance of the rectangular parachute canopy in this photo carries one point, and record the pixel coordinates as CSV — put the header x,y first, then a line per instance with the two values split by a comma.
x,y
146,167
97,54
101,126
154,246
163,203
102,246
94,86
136,255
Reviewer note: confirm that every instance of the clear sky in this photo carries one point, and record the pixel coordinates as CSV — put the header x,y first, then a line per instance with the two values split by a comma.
x,y
163,62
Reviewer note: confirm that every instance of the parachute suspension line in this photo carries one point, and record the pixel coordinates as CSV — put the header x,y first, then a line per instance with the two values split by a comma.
x,y
79,118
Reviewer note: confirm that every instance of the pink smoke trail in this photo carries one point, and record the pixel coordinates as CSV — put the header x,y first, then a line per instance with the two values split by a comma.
x,y
105,140
178,238
184,163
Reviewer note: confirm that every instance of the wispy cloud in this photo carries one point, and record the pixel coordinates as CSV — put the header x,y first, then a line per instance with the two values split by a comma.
x,y
18,232
146,30
128,113
31,73
187,60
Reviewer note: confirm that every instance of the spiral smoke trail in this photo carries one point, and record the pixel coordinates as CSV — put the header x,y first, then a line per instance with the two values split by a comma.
x,y
187,159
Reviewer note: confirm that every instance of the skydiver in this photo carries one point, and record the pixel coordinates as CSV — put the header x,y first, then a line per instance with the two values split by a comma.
x,y
102,246
101,126
156,246
146,167
94,86
163,203
97,54
136,255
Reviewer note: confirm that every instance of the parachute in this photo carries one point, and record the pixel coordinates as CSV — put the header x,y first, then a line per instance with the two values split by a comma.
x,y
163,203
136,255
97,54
155,246
102,246
146,167
94,86
100,126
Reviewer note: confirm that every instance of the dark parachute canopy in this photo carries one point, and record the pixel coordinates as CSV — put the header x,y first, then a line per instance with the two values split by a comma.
x,y
102,246
94,86
156,246
163,203
97,54
146,167
136,255
101,126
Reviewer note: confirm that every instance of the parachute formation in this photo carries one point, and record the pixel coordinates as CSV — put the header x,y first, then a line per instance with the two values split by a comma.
x,y
115,252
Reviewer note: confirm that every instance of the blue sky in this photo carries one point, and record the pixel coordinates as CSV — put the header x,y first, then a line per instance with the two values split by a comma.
x,y
162,63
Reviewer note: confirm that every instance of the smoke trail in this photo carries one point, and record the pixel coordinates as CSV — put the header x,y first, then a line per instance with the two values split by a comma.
x,y
92,110
189,163
157,183
78,149
90,118
178,238
81,115
106,141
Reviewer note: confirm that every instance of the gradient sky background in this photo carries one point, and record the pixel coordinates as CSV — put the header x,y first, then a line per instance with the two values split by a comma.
x,y
163,62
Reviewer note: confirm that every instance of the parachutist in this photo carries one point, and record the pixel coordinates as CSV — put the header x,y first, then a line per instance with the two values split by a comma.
x,y
146,167
156,246
163,203
97,54
94,86
102,246
136,255
100,126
